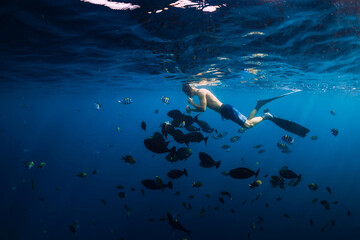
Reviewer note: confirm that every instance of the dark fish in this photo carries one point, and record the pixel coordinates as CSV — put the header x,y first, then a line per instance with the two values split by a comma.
x,y
283,147
178,136
192,128
243,203
314,138
120,187
94,172
221,200
122,195
222,134
226,193
313,186
334,132
189,207
257,146
324,227
207,195
191,197
332,112
207,162
173,174
166,129
155,185
203,125
156,111
104,202
315,200
171,157
225,147
176,225
177,193
143,125
325,204
127,208
158,146
286,215
72,229
129,159
348,213
179,123
142,192
261,151
287,139
232,210
277,181
132,189
162,219
278,199
332,222
187,120
175,114
266,205
255,184
329,190
202,212
288,174
235,139
195,137
242,130
197,184
183,153
311,222
41,165
81,175
336,202
243,173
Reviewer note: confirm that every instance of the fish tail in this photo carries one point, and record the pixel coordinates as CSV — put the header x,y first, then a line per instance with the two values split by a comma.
x,y
257,173
205,140
185,172
170,185
173,151
218,164
196,118
299,177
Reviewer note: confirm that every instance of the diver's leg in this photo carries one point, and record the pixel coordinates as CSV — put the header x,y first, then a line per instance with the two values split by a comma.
x,y
249,123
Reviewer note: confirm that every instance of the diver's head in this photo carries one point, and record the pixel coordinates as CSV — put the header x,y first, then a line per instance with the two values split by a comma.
x,y
188,89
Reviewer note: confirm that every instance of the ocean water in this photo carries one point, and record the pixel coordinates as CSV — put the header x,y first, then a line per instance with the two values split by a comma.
x,y
59,58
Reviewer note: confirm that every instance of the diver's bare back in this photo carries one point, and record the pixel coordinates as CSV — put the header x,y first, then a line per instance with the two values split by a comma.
x,y
212,101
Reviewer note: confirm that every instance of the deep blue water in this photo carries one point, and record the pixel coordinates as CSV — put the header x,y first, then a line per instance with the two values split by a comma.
x,y
57,58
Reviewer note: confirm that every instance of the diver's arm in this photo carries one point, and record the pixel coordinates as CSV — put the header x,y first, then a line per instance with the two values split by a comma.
x,y
198,108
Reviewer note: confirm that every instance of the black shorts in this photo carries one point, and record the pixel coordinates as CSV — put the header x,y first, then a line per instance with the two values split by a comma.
x,y
230,112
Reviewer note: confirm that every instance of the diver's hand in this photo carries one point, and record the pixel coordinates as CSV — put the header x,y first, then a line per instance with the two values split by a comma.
x,y
190,100
188,110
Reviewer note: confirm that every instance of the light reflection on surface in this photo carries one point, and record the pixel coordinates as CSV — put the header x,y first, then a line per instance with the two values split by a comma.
x,y
255,55
208,82
253,33
113,5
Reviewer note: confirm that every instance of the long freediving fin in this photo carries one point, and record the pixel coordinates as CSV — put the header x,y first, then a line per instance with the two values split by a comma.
x,y
290,126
